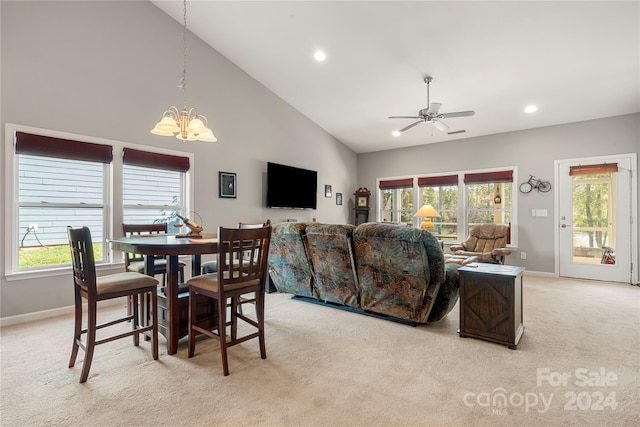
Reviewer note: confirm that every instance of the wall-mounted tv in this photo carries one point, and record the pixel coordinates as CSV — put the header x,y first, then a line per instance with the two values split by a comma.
x,y
291,187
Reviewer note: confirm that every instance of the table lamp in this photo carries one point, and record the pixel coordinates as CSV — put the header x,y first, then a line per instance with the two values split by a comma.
x,y
427,212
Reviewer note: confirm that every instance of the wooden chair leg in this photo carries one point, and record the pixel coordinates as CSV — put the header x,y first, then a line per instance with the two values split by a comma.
x,y
129,309
260,317
192,320
154,319
77,332
234,318
222,333
136,320
90,344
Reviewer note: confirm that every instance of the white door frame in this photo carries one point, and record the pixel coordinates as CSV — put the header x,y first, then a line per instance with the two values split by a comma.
x,y
634,258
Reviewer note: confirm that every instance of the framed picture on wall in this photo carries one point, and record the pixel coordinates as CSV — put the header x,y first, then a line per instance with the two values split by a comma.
x,y
327,191
228,186
338,198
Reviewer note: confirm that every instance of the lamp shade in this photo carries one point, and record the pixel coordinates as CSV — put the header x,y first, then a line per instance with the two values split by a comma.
x,y
426,211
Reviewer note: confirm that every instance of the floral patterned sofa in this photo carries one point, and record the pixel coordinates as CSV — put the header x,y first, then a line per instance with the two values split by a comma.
x,y
375,268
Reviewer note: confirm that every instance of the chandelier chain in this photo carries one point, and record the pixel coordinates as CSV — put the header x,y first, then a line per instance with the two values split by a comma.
x,y
183,80
185,124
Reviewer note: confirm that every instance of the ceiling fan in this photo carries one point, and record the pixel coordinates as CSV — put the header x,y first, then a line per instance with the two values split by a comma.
x,y
432,114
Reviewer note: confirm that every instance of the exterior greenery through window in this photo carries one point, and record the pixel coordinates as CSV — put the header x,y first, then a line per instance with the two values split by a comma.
x,y
444,199
463,200
593,201
397,200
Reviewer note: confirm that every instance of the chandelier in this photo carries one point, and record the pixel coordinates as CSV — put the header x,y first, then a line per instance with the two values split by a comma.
x,y
186,124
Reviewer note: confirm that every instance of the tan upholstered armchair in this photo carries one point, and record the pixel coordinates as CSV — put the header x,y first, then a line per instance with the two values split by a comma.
x,y
486,243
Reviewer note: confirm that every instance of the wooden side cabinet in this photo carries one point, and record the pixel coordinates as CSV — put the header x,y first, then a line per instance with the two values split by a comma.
x,y
491,303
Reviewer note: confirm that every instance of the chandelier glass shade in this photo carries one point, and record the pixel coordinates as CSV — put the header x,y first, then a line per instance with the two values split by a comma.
x,y
185,124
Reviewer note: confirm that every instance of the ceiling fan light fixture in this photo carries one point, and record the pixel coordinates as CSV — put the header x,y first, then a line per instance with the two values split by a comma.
x,y
395,133
431,114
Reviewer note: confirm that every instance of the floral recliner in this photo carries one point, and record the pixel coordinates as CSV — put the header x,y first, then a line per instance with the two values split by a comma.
x,y
377,268
289,267
330,249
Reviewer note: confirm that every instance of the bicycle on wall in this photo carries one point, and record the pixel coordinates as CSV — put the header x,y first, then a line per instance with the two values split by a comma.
x,y
538,184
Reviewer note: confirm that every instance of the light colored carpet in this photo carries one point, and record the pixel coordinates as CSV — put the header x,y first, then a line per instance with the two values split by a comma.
x,y
326,367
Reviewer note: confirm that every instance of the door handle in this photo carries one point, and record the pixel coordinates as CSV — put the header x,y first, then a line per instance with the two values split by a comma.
x,y
565,225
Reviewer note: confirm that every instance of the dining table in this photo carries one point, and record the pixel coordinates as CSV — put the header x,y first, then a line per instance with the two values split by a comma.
x,y
173,306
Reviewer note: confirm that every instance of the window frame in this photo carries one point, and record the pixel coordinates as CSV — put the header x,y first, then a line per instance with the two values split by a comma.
x,y
105,172
445,182
462,213
152,207
396,185
113,209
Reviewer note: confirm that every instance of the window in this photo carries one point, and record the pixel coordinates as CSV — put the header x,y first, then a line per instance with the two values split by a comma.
x,y
594,193
60,182
152,187
397,200
55,182
441,192
489,197
463,199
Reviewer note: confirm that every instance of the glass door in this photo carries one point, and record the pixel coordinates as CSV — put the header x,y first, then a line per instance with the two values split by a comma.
x,y
594,219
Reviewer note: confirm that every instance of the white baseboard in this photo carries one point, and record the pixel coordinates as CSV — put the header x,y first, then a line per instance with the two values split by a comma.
x,y
540,274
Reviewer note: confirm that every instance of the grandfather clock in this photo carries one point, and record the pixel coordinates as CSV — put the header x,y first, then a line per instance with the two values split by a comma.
x,y
362,205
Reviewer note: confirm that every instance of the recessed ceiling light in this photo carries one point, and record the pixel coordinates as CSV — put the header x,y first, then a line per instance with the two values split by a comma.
x,y
395,133
320,55
531,109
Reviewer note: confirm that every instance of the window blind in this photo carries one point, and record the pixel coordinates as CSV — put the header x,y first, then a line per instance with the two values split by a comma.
x,y
438,181
396,183
47,146
593,169
485,177
155,160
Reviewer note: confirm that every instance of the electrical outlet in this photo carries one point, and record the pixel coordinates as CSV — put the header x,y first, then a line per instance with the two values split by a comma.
x,y
523,255
33,227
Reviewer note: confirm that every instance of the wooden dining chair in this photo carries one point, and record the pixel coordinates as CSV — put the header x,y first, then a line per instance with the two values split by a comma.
x,y
135,262
212,266
94,289
242,254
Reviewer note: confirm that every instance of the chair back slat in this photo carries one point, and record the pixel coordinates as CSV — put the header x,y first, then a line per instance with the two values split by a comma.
x,y
138,230
82,258
248,247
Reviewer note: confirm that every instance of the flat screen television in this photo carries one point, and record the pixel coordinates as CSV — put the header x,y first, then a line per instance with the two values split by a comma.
x,y
291,187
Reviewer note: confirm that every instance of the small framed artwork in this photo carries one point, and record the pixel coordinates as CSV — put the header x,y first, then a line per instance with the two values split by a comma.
x,y
327,191
228,186
338,198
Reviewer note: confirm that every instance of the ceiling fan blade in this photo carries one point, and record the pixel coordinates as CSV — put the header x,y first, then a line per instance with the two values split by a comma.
x,y
439,125
458,114
434,108
405,117
410,126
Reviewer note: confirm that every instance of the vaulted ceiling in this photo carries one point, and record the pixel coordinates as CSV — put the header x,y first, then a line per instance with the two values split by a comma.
x,y
574,60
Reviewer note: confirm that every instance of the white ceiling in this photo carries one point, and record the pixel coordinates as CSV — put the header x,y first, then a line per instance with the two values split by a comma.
x,y
575,60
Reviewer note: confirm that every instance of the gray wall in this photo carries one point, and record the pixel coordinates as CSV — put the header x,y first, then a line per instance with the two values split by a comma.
x,y
109,70
532,151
